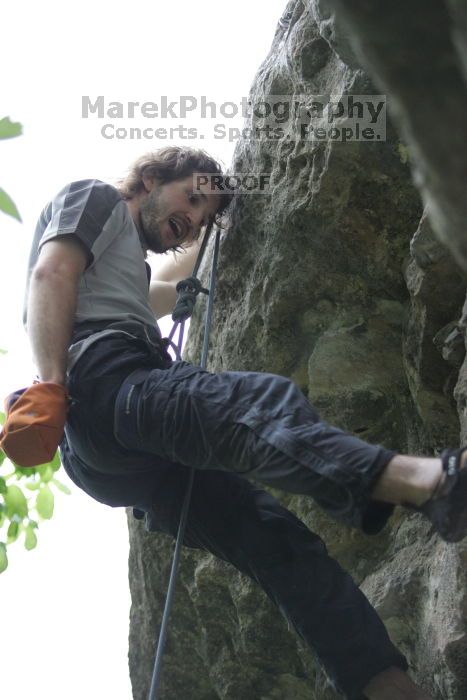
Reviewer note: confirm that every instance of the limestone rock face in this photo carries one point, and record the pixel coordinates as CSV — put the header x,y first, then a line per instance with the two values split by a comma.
x,y
416,53
335,279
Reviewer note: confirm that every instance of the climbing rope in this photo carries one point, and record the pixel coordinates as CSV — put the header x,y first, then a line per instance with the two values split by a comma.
x,y
188,291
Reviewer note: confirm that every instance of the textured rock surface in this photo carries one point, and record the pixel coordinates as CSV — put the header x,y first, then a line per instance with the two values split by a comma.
x,y
417,53
336,280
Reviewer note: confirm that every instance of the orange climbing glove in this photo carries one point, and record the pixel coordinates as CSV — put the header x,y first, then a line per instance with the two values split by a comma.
x,y
35,423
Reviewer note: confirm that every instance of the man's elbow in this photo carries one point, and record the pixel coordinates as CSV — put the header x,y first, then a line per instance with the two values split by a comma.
x,y
52,273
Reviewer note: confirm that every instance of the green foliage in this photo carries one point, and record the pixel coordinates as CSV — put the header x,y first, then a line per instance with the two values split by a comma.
x,y
26,499
8,130
8,206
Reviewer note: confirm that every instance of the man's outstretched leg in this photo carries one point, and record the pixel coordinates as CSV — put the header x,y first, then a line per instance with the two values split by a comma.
x,y
262,426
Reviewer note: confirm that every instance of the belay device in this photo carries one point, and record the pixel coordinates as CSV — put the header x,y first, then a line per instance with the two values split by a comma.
x,y
188,291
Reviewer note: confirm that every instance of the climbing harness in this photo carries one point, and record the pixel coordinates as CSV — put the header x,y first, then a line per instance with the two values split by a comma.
x,y
188,291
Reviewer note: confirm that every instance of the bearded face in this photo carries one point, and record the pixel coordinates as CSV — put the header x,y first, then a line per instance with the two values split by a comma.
x,y
172,214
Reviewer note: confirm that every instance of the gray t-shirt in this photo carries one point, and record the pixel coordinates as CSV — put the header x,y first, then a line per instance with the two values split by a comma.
x,y
115,283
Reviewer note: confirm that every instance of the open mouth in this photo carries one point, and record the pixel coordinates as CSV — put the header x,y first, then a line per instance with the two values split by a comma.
x,y
177,228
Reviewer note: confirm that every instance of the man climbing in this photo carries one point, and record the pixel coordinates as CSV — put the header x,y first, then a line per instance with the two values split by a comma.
x,y
136,422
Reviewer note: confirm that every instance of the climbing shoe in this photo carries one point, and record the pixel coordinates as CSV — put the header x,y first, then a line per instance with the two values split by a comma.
x,y
447,507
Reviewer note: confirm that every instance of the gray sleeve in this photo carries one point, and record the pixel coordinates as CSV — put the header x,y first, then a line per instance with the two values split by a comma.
x,y
85,209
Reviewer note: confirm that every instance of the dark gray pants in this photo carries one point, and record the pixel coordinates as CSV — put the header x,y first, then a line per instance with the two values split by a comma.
x,y
133,436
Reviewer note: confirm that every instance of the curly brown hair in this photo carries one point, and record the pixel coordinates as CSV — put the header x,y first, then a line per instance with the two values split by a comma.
x,y
169,164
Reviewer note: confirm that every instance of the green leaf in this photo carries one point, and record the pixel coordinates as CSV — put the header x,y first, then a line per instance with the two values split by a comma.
x,y
8,206
2,457
30,539
9,129
46,473
55,463
3,558
16,503
2,417
43,470
12,532
24,472
3,486
33,485
45,503
61,487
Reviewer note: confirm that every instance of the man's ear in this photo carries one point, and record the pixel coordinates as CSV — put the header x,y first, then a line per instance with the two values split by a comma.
x,y
148,182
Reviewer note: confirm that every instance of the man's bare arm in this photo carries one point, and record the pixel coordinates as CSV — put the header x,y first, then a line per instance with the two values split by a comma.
x,y
53,293
176,267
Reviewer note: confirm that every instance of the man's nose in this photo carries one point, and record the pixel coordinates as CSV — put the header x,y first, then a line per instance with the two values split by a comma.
x,y
195,219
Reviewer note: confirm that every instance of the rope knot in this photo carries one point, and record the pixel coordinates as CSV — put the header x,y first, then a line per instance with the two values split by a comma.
x,y
188,289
